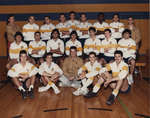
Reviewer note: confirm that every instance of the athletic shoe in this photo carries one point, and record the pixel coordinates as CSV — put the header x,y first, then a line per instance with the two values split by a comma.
x,y
24,94
90,94
77,92
110,100
43,88
31,94
56,91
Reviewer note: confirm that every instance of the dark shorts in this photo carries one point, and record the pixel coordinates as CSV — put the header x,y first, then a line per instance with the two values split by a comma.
x,y
27,42
82,40
126,91
126,60
108,59
117,39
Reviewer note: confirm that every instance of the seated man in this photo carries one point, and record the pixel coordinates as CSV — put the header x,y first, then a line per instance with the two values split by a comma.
x,y
87,74
37,48
15,49
23,75
128,46
109,45
117,80
50,73
71,66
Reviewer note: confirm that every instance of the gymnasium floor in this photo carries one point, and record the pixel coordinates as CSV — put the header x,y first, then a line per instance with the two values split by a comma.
x,y
135,104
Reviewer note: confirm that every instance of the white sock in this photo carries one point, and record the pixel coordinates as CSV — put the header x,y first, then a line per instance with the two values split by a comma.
x,y
98,85
115,92
87,83
83,81
130,79
31,87
21,88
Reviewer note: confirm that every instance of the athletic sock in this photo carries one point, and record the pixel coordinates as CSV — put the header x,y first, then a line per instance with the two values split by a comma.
x,y
98,85
115,92
31,87
21,88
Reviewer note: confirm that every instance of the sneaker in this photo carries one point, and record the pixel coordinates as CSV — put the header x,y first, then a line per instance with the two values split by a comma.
x,y
24,94
31,94
76,86
56,91
77,92
90,94
110,100
43,88
84,91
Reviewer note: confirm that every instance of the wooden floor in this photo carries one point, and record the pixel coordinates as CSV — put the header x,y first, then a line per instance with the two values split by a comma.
x,y
125,106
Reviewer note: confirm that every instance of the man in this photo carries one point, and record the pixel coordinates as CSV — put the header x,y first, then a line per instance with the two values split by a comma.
x,y
87,73
71,66
23,75
109,45
128,46
116,27
37,48
29,29
92,44
56,46
73,42
100,26
117,80
50,73
46,29
63,27
15,49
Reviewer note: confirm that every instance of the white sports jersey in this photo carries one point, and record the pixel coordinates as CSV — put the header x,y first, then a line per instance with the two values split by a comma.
x,y
120,70
92,70
128,47
19,69
15,49
52,44
46,30
91,45
111,45
29,30
73,24
33,45
119,26
62,28
83,26
77,44
50,69
101,27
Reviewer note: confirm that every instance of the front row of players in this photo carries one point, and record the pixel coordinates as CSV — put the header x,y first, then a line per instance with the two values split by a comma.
x,y
75,74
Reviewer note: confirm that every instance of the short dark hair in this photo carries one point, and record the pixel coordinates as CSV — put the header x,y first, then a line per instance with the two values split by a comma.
x,y
62,14
92,28
22,52
83,14
37,32
92,53
74,32
9,15
49,54
20,34
117,15
100,13
55,30
126,31
107,30
118,52
72,12
47,17
73,47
